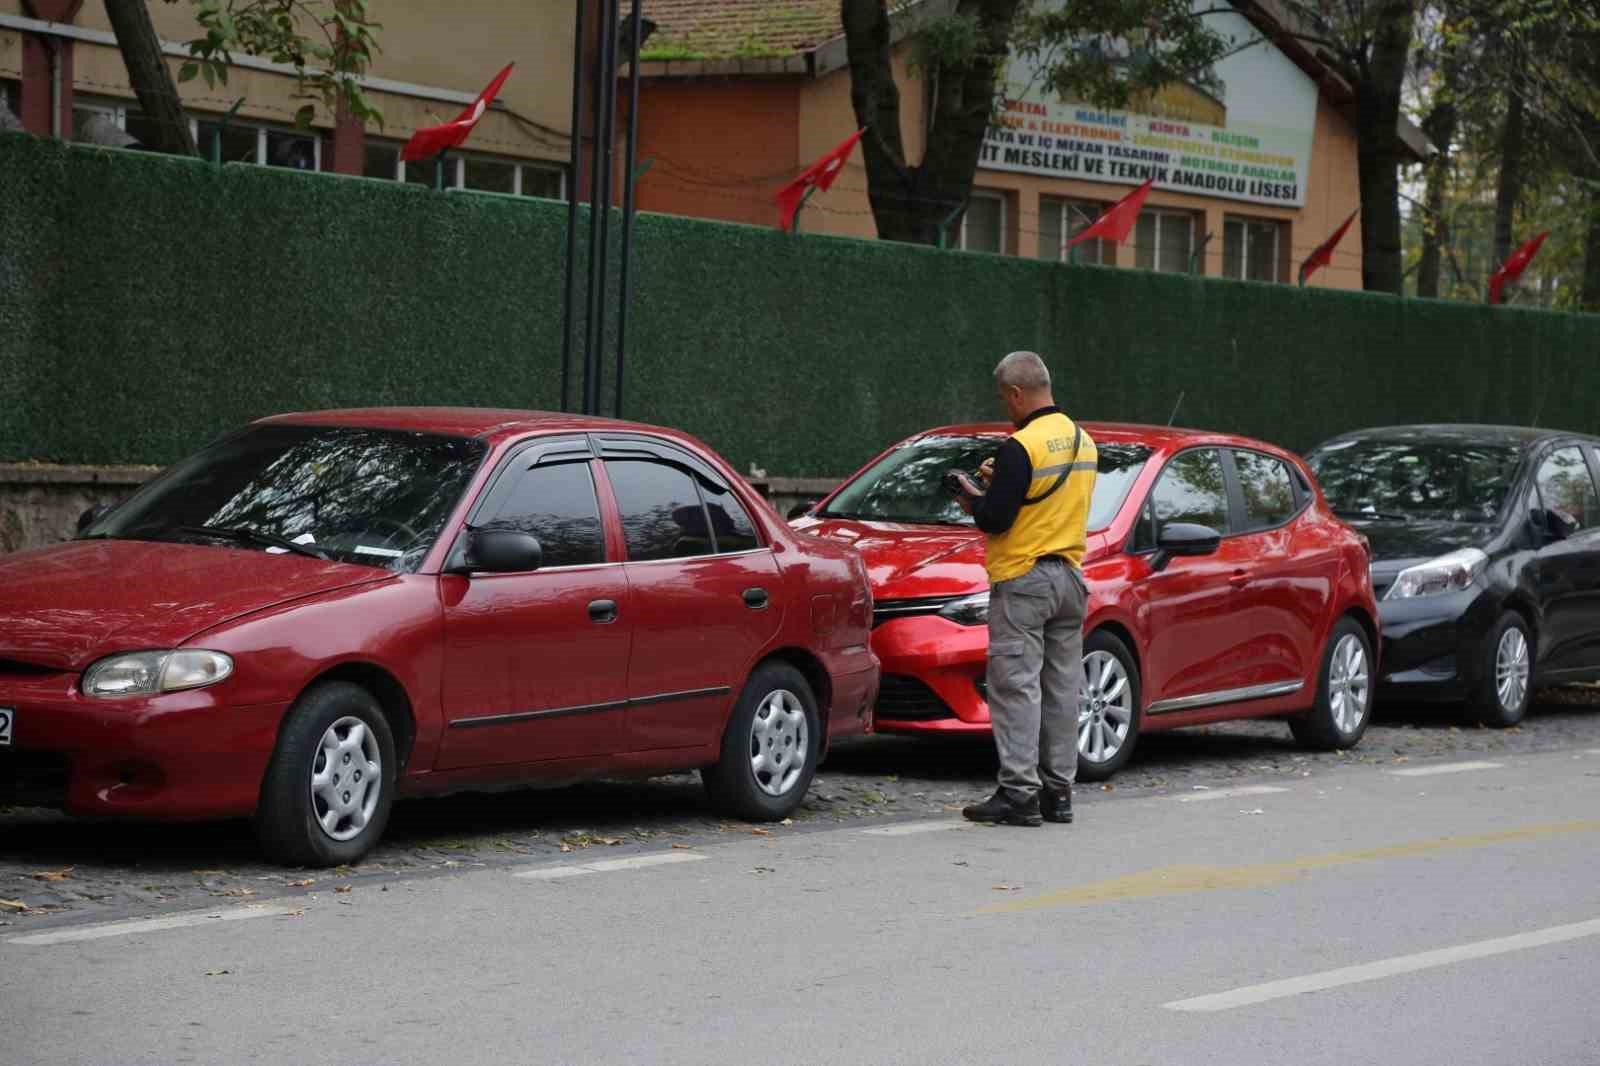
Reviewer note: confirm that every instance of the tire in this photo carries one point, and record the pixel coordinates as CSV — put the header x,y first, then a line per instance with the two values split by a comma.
x,y
1339,718
339,721
1110,707
769,749
1501,695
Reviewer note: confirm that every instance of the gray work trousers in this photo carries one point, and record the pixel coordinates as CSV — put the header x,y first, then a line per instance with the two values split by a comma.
x,y
1035,672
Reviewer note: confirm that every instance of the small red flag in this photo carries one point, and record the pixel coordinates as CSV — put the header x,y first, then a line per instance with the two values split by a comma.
x,y
1514,265
1118,220
431,140
1324,251
819,174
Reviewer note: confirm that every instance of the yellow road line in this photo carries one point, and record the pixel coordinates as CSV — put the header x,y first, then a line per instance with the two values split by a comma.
x,y
1183,879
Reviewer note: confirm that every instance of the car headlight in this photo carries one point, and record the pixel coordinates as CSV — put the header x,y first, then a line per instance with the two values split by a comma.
x,y
968,610
145,673
1448,573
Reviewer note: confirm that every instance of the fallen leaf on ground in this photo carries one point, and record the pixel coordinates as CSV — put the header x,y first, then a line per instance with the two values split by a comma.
x,y
217,973
787,821
239,892
609,842
302,884
760,832
1007,888
683,847
13,905
565,847
764,870
1258,810
1106,787
54,875
295,914
342,889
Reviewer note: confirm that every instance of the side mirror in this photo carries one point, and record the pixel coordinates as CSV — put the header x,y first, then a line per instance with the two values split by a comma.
x,y
801,509
1181,539
500,551
91,516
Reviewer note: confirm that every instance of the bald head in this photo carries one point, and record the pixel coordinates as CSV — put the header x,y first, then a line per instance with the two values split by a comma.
x,y
1022,382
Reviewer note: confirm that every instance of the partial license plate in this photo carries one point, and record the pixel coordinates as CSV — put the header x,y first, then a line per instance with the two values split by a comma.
x,y
8,718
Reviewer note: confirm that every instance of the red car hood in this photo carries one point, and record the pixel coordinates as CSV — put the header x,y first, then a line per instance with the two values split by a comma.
x,y
65,606
907,562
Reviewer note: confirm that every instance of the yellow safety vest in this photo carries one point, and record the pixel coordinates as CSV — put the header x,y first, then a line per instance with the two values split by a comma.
x,y
1056,508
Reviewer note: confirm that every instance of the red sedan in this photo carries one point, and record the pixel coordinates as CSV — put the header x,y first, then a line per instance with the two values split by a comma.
x,y
1220,587
321,612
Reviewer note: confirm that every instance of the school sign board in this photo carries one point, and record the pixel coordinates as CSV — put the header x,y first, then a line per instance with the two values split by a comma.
x,y
1241,130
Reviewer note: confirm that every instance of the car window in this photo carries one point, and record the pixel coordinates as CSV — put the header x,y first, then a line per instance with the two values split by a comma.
x,y
662,513
1268,489
1566,487
730,522
1191,489
1414,475
557,504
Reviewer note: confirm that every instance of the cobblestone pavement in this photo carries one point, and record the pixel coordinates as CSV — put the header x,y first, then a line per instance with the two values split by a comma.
x,y
53,866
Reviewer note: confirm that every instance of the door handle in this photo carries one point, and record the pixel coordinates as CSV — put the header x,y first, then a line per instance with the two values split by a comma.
x,y
755,599
603,611
1239,579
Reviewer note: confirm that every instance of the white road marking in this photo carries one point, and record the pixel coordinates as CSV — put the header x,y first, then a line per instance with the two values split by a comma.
x,y
1592,751
1445,768
130,926
905,829
553,873
1373,971
1228,793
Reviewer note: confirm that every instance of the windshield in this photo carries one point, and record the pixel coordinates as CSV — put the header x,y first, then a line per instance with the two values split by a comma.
x,y
369,496
1453,481
904,486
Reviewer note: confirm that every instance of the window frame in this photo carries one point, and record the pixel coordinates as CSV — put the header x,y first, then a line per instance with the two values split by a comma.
x,y
1158,213
522,457
1245,222
1005,221
456,175
1591,464
626,446
1230,493
1062,207
1241,506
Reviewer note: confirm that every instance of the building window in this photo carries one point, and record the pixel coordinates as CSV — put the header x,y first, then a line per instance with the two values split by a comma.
x,y
382,160
1060,221
1163,240
983,224
11,97
1252,249
241,142
485,174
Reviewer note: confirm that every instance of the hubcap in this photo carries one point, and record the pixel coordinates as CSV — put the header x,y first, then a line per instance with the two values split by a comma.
x,y
1511,668
346,779
1105,707
1348,684
779,743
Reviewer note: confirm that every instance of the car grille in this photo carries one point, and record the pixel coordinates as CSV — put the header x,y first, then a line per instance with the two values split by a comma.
x,y
33,779
908,700
888,610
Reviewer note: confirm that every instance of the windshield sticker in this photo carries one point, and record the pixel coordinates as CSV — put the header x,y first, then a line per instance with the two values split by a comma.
x,y
386,553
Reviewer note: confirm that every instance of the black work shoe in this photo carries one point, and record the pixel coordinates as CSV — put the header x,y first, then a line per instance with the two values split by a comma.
x,y
1055,806
999,808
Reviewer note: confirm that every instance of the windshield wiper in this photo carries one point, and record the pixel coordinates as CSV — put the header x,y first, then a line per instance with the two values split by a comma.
x,y
1376,516
241,535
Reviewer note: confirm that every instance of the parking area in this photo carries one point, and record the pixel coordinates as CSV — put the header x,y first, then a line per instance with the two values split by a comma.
x,y
53,868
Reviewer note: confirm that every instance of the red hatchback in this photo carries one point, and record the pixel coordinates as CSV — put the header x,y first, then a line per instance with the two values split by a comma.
x,y
320,612
1220,587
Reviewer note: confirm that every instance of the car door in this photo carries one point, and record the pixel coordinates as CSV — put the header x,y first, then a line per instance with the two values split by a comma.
x,y
536,663
1567,566
705,591
1289,579
1197,649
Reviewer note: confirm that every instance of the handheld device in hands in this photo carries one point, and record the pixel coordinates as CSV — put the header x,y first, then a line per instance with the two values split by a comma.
x,y
959,483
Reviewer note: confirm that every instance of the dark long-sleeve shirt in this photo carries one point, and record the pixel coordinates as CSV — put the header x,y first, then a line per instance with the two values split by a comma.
x,y
997,509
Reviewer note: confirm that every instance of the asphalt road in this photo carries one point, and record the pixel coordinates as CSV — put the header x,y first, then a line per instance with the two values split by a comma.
x,y
1437,909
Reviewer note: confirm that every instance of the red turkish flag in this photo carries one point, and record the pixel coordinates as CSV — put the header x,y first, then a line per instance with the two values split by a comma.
x,y
431,140
1514,265
819,174
1118,220
1324,252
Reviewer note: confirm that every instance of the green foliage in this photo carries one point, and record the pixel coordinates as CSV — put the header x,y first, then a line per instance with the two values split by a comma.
x,y
139,341
328,68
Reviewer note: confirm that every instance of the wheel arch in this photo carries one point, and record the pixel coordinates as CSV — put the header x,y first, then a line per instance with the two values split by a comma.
x,y
816,676
1124,634
392,699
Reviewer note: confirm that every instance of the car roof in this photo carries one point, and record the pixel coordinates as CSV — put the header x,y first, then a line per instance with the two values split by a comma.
x,y
1108,433
488,423
1457,433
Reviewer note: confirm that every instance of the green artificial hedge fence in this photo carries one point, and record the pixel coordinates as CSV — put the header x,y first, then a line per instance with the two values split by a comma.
x,y
149,303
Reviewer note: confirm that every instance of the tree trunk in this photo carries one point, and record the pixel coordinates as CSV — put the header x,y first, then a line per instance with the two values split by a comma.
x,y
912,203
149,76
1440,126
1590,298
1509,187
1378,148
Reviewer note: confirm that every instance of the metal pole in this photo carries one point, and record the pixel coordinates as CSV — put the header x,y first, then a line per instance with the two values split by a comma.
x,y
613,19
576,136
597,209
629,181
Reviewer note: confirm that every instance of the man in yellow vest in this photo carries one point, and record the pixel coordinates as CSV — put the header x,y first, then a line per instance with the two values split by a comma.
x,y
1034,510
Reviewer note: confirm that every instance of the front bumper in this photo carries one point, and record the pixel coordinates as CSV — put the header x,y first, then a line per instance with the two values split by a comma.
x,y
933,672
182,755
1432,644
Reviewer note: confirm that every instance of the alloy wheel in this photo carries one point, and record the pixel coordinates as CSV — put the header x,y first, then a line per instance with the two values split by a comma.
x,y
1349,683
779,744
1105,707
1511,668
346,778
